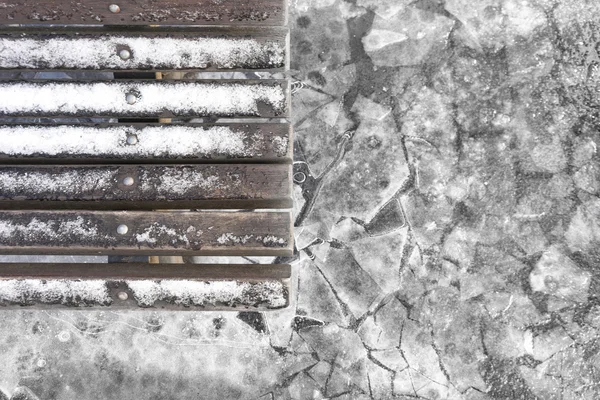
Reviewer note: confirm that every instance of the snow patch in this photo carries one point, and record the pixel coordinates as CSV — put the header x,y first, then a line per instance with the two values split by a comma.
x,y
180,181
164,141
56,183
48,230
66,292
230,238
154,231
233,99
146,293
159,52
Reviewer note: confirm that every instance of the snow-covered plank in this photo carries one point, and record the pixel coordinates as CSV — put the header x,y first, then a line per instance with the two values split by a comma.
x,y
143,233
146,187
210,49
133,142
144,12
129,285
143,98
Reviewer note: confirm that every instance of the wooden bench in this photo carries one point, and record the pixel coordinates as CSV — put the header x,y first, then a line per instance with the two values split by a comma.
x,y
141,163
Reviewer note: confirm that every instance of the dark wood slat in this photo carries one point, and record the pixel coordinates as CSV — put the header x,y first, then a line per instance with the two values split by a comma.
x,y
146,187
168,233
143,271
264,98
147,142
207,49
145,12
131,286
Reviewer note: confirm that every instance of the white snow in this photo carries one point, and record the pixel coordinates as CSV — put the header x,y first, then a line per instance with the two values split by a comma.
x,y
57,183
156,230
281,144
230,237
156,53
36,230
152,141
146,293
180,98
227,238
180,181
29,291
172,182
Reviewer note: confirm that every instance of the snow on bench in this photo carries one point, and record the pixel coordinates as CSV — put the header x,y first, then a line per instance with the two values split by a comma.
x,y
154,51
134,98
265,142
146,186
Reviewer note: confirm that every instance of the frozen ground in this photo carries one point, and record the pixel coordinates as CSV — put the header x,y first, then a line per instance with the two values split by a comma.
x,y
451,252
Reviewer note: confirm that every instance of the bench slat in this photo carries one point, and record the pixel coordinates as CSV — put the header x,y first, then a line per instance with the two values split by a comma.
x,y
143,233
121,143
132,285
142,98
146,187
208,49
144,12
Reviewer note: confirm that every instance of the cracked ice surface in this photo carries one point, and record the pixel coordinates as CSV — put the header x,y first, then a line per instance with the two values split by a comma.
x,y
451,251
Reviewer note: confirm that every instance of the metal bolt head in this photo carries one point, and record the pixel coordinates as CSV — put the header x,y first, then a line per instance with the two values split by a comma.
x,y
122,229
125,54
122,296
132,139
128,181
115,9
131,98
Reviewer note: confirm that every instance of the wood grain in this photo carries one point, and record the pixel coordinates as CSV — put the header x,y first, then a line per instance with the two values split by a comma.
x,y
146,187
122,271
145,12
161,233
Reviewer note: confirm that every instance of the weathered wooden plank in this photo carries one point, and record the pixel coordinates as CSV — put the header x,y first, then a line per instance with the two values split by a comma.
x,y
143,98
144,12
142,233
127,285
210,49
146,187
134,271
148,143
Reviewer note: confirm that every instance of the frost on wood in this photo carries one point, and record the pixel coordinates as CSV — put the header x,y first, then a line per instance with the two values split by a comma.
x,y
65,292
272,294
150,142
131,98
36,230
179,181
144,53
97,231
61,184
268,240
151,234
